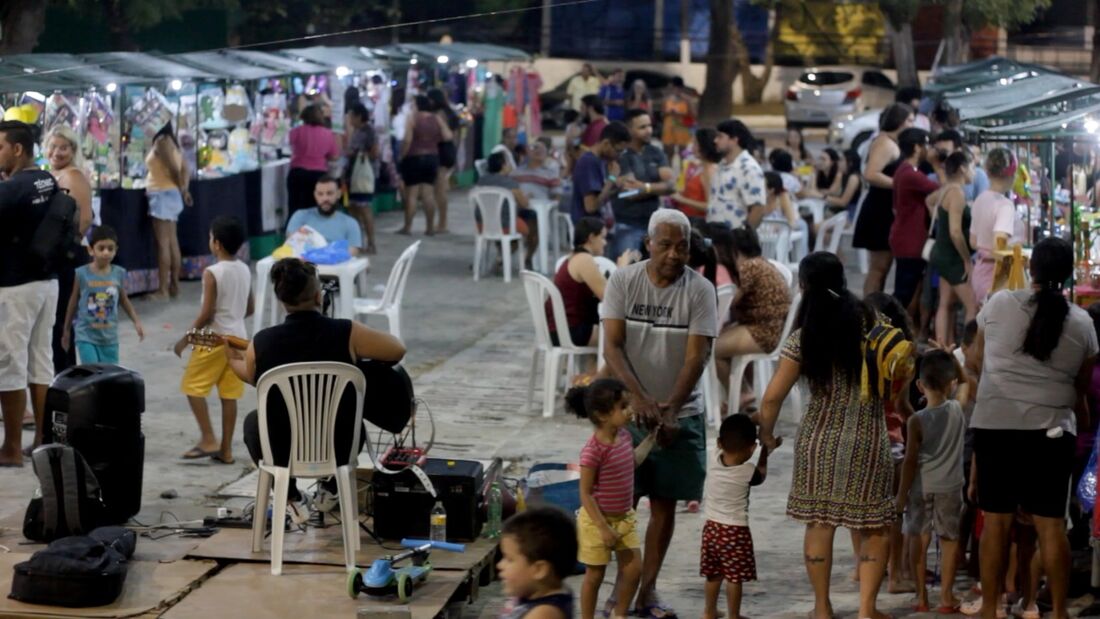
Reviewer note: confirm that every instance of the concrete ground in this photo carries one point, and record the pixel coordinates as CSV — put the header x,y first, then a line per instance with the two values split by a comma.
x,y
470,357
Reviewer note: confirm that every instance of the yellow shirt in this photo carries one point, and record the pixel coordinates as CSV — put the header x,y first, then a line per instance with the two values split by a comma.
x,y
158,177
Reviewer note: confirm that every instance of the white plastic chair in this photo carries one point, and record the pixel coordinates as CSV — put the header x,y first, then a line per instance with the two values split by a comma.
x,y
850,231
785,271
312,392
712,389
762,370
390,303
490,201
563,227
606,266
833,227
539,288
775,240
482,167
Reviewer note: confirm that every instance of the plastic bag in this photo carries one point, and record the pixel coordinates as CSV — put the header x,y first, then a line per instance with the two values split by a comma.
x,y
304,239
1086,487
333,253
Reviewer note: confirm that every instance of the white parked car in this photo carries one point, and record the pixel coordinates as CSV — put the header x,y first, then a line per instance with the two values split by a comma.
x,y
853,130
823,93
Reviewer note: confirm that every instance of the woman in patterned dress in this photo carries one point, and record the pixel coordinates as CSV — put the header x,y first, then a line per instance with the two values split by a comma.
x,y
842,469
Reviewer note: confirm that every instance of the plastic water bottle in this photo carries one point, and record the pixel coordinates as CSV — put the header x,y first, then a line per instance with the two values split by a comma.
x,y
493,527
437,531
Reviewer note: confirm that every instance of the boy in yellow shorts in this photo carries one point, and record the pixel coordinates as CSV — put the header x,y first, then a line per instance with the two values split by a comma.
x,y
226,301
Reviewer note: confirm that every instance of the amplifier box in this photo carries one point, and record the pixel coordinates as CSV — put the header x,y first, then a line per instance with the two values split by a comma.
x,y
402,506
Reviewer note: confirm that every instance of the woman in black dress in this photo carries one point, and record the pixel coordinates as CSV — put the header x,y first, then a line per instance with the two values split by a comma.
x,y
448,155
877,215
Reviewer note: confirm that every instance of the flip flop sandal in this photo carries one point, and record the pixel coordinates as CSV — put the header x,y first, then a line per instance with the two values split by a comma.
x,y
920,608
948,610
217,457
195,453
665,612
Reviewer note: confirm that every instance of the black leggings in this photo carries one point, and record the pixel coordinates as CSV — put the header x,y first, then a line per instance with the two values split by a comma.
x,y
300,183
279,437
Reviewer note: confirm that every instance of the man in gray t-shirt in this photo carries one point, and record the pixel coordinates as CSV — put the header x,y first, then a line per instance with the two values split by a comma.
x,y
660,319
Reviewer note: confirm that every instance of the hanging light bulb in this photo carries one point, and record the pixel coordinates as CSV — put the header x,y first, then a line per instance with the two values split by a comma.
x,y
342,72
175,84
471,63
112,87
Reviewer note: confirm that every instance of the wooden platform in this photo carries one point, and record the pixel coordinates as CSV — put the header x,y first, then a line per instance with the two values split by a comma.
x,y
150,587
249,590
326,547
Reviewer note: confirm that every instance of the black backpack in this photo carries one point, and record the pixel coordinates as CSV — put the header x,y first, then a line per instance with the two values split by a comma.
x,y
56,241
76,572
68,500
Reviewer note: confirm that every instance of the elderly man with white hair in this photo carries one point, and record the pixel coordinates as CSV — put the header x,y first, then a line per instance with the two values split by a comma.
x,y
660,319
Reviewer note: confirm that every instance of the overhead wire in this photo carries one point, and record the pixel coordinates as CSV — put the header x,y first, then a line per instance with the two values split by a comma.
x,y
311,37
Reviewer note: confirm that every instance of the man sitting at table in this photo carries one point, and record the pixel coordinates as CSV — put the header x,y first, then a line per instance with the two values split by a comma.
x,y
334,225
540,176
498,176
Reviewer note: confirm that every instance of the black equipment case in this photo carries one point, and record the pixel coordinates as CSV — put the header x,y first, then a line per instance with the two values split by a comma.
x,y
96,409
402,505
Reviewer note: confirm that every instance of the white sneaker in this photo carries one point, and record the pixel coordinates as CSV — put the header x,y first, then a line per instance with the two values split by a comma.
x,y
297,512
1031,612
974,607
324,501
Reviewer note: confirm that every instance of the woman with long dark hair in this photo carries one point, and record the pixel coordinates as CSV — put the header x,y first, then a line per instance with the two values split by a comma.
x,y
759,306
167,184
312,146
419,166
872,230
448,155
826,172
1036,351
362,150
796,146
843,472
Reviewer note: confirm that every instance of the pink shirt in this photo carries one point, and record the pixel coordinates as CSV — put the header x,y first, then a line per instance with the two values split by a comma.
x,y
614,465
311,146
991,213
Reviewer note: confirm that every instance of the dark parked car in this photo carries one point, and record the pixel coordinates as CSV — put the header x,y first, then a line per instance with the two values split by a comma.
x,y
554,103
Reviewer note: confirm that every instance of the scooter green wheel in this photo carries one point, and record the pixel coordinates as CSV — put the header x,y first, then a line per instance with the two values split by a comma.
x,y
353,578
404,587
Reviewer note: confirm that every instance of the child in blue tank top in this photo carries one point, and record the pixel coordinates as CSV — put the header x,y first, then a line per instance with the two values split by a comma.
x,y
93,305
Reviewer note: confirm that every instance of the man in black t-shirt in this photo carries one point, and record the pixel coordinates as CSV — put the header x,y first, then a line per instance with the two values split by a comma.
x,y
650,178
28,292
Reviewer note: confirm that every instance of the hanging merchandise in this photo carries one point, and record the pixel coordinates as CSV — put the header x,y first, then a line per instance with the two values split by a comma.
x,y
99,145
412,82
534,108
272,128
150,112
242,153
493,113
60,112
211,101
236,108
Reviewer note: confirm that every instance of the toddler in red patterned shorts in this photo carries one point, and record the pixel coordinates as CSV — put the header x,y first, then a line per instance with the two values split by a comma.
x,y
727,552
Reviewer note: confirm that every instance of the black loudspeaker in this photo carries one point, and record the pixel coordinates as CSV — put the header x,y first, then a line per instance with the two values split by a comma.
x,y
402,506
96,409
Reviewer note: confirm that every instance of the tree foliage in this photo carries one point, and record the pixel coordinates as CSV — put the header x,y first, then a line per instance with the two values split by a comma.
x,y
1007,14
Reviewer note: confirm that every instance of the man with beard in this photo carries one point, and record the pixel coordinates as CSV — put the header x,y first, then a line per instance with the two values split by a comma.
x,y
324,218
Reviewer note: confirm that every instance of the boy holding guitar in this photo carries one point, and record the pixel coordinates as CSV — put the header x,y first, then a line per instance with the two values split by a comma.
x,y
226,301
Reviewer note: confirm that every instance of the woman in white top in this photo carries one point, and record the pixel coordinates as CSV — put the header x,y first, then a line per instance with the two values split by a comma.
x,y
1036,352
63,152
992,217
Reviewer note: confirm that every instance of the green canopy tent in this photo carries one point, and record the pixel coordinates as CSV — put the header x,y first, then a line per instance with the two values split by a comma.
x,y
983,73
352,58
227,66
455,52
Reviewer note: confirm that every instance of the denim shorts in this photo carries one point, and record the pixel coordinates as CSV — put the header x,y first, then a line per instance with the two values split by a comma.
x,y
166,205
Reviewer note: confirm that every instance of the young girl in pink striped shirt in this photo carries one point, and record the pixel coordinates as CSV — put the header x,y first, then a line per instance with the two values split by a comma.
x,y
606,521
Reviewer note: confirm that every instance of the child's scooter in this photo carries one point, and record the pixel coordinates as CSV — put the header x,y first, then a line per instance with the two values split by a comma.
x,y
382,579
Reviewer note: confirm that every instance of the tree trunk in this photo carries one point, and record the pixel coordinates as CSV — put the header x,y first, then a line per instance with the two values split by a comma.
x,y
752,86
953,42
905,60
21,22
1094,68
117,26
717,101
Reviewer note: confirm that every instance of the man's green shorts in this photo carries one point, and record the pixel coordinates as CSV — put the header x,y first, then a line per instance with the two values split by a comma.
x,y
676,472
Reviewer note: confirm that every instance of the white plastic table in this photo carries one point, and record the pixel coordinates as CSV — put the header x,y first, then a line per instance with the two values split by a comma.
x,y
543,210
347,272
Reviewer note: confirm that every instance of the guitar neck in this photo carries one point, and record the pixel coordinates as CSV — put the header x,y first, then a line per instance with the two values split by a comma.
x,y
237,343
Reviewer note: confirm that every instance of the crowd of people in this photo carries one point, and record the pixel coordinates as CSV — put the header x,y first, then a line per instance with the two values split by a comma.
x,y
997,427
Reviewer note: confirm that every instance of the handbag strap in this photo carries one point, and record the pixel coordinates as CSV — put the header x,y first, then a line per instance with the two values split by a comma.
x,y
936,210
